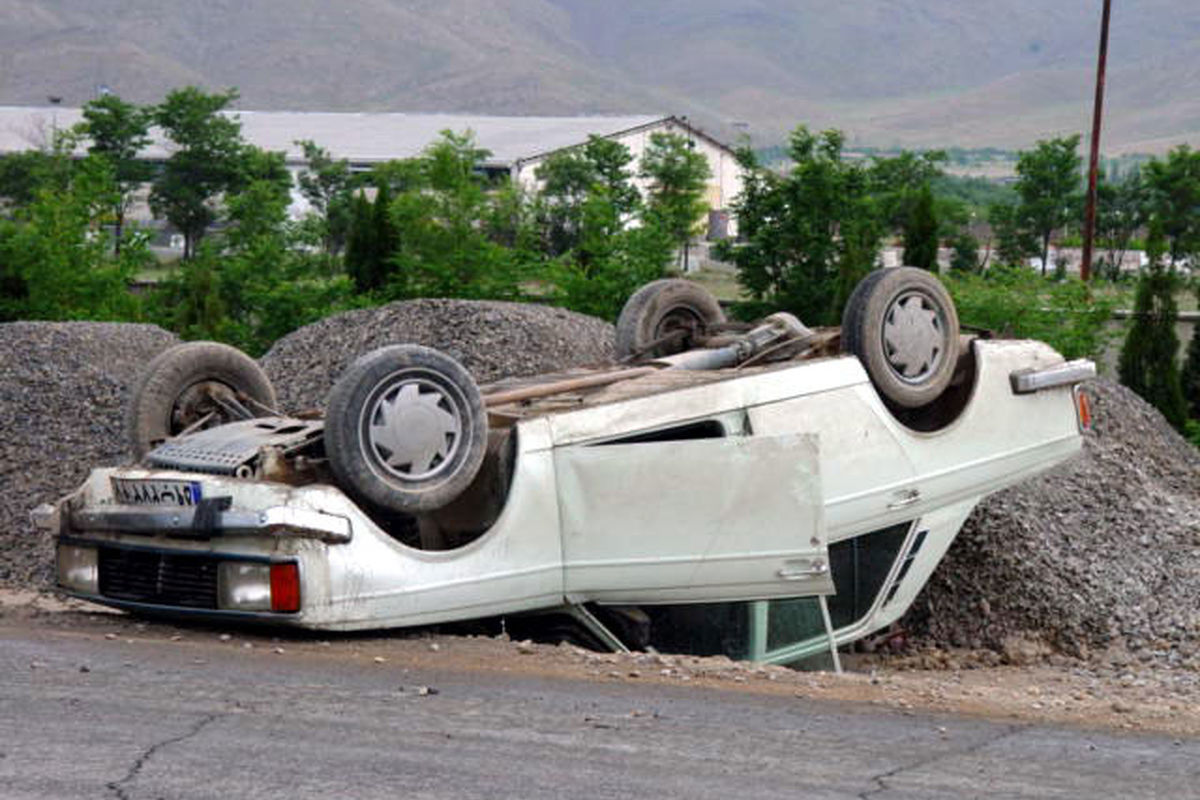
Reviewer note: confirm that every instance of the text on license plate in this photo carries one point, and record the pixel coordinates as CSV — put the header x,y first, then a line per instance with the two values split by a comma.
x,y
142,492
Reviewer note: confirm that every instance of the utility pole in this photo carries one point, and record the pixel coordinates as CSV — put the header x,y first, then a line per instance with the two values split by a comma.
x,y
1089,214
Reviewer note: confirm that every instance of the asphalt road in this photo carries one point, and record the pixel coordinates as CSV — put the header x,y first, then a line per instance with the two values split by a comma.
x,y
86,717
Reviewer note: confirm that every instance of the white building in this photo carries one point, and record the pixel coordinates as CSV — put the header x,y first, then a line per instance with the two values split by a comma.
x,y
518,145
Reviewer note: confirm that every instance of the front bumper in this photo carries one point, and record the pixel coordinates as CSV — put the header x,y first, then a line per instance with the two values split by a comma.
x,y
203,522
247,551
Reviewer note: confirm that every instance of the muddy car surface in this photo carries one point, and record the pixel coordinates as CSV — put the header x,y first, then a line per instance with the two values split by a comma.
x,y
766,491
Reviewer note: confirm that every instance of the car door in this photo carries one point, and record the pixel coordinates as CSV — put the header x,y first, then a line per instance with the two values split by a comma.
x,y
665,521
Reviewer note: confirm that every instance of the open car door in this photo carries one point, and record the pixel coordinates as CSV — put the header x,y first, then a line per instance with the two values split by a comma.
x,y
729,518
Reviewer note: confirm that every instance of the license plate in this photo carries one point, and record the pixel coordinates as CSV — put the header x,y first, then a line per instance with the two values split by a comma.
x,y
141,492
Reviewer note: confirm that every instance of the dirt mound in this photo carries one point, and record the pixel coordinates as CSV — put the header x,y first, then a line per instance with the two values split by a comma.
x,y
62,398
491,339
1102,554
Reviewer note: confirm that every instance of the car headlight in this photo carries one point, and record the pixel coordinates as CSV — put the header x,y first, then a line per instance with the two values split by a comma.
x,y
249,586
78,568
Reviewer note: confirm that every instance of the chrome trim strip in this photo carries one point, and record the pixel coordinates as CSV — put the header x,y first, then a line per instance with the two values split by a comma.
x,y
1027,381
181,522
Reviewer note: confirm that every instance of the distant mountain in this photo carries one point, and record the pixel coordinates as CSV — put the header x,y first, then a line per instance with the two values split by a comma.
x,y
904,72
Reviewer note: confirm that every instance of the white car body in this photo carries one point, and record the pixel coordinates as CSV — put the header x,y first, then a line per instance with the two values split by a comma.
x,y
796,459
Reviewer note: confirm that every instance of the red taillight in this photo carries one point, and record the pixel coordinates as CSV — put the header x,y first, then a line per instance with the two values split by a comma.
x,y
285,587
1083,409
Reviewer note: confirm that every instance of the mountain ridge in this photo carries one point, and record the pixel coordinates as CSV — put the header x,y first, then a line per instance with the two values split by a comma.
x,y
903,73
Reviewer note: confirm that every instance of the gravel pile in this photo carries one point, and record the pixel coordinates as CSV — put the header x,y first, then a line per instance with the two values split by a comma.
x,y
1100,558
62,400
1097,559
491,339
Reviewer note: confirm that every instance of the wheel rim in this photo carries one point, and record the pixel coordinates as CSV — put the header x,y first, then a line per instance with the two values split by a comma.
x,y
413,426
195,403
678,319
914,337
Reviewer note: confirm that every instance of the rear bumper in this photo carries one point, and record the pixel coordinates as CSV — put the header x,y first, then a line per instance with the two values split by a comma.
x,y
1027,381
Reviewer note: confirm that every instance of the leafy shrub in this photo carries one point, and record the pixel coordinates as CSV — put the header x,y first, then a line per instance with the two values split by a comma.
x,y
1017,303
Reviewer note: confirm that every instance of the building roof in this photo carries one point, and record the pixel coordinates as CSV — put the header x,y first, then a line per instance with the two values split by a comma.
x,y
365,137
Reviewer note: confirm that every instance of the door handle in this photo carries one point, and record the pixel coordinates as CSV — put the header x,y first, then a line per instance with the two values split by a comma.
x,y
802,568
904,498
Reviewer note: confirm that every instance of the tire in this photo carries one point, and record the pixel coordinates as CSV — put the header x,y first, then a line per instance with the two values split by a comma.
x,y
660,308
405,429
902,324
174,391
852,313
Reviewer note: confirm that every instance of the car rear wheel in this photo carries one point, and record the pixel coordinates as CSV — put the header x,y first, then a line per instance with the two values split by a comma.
x,y
194,385
902,324
666,317
406,429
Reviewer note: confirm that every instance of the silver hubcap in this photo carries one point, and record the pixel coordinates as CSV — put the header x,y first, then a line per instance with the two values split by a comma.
x,y
913,337
414,428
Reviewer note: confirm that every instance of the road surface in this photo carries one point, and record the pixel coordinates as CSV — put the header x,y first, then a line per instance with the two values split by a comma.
x,y
93,714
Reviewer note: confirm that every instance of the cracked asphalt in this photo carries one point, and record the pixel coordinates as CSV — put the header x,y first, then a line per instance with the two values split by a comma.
x,y
88,715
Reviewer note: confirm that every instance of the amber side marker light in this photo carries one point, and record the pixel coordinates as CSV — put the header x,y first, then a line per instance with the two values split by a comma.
x,y
285,587
1083,410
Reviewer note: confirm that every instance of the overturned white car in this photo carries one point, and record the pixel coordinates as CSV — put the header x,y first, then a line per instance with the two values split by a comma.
x,y
753,492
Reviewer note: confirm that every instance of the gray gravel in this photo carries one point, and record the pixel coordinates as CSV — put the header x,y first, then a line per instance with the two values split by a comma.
x,y
1098,559
63,387
62,400
491,339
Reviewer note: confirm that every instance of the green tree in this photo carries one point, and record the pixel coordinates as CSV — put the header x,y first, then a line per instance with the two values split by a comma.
x,y
206,163
362,264
1015,240
119,131
616,267
805,236
964,252
385,239
189,301
677,175
1147,363
1174,197
22,174
1048,184
14,290
921,232
444,249
325,184
898,183
249,282
1122,208
1190,377
57,259
568,178
594,242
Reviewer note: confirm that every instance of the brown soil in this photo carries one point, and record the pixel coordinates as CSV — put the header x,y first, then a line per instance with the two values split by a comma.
x,y
1056,691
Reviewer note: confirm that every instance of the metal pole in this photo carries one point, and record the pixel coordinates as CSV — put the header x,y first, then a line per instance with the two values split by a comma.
x,y
1089,214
